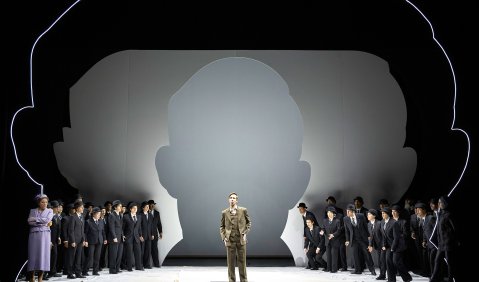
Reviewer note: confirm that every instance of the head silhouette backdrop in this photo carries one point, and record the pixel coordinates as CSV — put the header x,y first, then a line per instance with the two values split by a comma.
x,y
186,128
233,127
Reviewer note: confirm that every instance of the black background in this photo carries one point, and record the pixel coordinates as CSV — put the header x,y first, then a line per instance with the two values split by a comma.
x,y
95,29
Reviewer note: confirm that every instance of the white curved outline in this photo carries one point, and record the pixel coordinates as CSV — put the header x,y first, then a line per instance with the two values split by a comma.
x,y
453,117
31,107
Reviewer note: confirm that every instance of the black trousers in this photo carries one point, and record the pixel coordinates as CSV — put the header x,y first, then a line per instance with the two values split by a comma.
x,y
154,252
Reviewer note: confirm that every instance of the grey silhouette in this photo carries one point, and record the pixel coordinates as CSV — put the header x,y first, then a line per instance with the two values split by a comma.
x,y
233,127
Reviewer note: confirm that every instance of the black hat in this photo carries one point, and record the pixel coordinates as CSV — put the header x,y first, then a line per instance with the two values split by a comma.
x,y
302,205
358,198
107,203
433,201
88,204
96,209
143,204
54,204
351,207
69,206
132,204
116,203
331,198
60,202
396,208
383,202
77,204
373,212
331,209
420,206
151,202
387,210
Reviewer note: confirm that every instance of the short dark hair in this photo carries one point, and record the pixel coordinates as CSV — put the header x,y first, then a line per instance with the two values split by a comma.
x,y
310,218
233,193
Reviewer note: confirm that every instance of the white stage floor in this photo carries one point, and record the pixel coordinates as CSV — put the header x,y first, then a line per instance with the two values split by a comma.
x,y
219,274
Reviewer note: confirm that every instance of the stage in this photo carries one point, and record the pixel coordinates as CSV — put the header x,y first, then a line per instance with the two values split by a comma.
x,y
219,274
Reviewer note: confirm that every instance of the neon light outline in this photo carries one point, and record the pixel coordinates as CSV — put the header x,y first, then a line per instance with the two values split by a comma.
x,y
31,107
453,117
407,1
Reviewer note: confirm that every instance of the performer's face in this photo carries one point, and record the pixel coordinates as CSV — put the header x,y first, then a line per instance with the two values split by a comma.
x,y
233,200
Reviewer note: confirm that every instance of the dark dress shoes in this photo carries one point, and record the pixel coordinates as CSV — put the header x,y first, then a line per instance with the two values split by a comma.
x,y
381,277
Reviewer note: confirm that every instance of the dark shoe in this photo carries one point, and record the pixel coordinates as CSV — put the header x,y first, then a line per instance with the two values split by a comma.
x,y
381,277
343,269
46,278
57,275
334,271
85,274
307,267
113,272
356,272
373,272
80,276
71,276
314,268
96,273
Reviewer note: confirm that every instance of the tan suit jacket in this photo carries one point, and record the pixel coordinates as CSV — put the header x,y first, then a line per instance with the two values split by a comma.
x,y
244,224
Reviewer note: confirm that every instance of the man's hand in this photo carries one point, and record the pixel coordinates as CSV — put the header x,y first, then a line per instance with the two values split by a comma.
x,y
370,249
225,240
317,250
347,243
305,250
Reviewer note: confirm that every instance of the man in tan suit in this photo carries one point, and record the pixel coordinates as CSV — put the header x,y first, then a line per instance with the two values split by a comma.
x,y
235,224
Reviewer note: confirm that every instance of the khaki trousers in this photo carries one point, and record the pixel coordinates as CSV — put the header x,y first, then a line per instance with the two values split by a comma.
x,y
236,253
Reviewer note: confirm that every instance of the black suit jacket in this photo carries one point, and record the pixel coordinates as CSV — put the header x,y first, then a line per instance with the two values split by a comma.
x,y
309,215
55,229
156,224
392,235
375,235
76,230
314,239
146,225
358,233
337,229
429,224
95,233
115,227
131,229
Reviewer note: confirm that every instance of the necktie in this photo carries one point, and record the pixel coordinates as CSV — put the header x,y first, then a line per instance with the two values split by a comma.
x,y
96,222
147,216
385,223
421,222
134,218
354,221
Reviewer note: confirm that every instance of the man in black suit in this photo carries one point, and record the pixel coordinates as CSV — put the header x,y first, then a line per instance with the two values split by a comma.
x,y
96,238
157,233
133,237
376,242
339,214
334,230
429,240
146,230
356,231
115,238
55,230
314,245
303,210
76,240
394,245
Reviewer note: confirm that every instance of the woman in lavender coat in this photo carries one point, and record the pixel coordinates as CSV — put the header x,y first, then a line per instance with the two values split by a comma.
x,y
39,240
